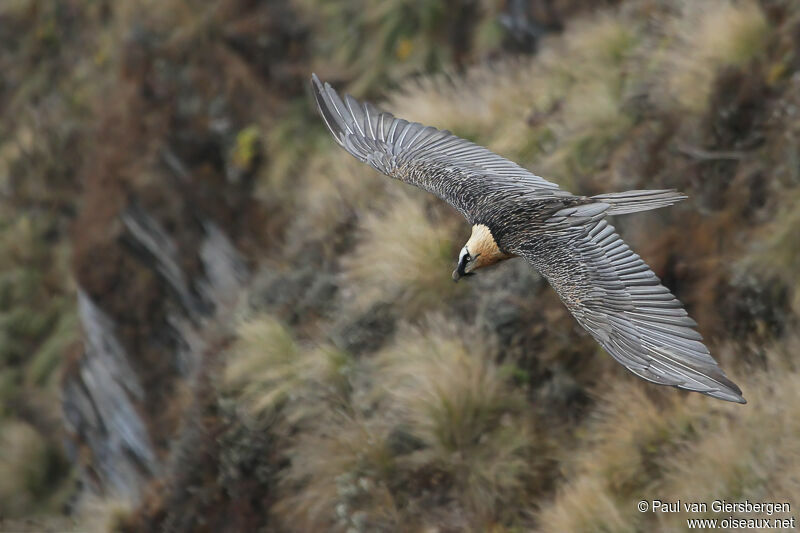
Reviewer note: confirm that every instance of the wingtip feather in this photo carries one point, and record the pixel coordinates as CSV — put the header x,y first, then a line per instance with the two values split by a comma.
x,y
728,396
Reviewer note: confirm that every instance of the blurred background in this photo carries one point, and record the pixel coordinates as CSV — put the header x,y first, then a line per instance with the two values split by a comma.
x,y
214,319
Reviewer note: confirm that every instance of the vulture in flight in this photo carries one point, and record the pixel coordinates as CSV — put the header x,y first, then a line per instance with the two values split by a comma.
x,y
609,290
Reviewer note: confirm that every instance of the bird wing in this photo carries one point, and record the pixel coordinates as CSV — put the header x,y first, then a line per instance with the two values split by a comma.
x,y
467,176
616,297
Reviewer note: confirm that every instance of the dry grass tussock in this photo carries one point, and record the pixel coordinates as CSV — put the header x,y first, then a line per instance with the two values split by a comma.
x,y
343,477
640,444
729,459
594,63
778,251
559,112
563,112
471,105
442,387
269,371
586,506
33,489
406,250
434,434
701,39
336,188
482,103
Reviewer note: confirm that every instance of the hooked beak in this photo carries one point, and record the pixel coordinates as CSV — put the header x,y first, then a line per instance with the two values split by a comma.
x,y
459,272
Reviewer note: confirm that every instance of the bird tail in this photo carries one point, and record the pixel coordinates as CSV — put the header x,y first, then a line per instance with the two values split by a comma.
x,y
626,202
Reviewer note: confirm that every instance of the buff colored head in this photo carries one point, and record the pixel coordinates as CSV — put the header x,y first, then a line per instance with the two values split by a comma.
x,y
480,251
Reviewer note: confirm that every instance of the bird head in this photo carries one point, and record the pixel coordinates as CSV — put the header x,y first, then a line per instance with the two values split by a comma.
x,y
466,264
481,250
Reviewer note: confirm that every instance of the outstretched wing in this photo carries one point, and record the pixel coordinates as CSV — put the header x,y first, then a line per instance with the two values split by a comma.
x,y
620,301
467,176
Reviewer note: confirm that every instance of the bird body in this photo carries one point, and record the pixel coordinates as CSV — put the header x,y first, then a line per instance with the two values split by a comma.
x,y
609,290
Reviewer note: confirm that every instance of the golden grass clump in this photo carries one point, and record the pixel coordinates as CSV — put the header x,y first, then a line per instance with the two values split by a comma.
x,y
285,158
750,453
21,464
586,506
336,189
444,390
268,369
600,41
341,477
621,450
593,59
672,446
591,68
703,38
434,435
460,104
558,113
491,105
406,254
476,105
622,446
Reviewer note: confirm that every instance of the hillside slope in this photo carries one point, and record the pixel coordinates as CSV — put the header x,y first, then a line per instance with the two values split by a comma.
x,y
244,328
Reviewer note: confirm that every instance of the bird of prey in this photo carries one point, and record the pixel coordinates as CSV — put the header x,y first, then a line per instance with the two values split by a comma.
x,y
609,290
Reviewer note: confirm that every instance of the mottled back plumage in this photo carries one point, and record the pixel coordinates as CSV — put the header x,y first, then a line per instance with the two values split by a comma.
x,y
609,289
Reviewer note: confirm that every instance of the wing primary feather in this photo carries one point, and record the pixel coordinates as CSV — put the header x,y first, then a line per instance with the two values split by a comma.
x,y
338,106
355,111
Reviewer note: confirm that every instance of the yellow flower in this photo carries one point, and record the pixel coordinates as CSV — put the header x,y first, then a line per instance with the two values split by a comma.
x,y
403,49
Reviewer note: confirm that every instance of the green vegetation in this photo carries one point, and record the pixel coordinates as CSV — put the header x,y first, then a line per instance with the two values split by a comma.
x,y
382,42
43,105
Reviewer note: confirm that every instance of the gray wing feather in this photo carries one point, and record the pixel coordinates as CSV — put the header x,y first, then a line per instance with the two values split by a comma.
x,y
453,168
616,297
